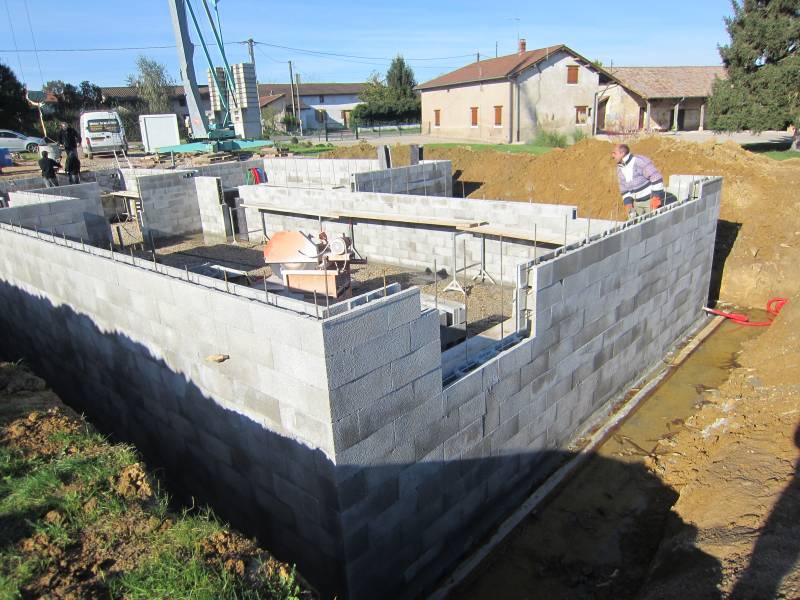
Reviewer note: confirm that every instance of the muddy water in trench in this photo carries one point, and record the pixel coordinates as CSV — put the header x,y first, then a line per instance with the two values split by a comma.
x,y
595,538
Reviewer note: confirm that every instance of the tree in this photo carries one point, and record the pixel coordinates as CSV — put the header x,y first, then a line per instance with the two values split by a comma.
x,y
154,84
392,100
763,63
15,111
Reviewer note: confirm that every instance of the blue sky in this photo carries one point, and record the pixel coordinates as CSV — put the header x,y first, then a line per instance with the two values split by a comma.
x,y
628,33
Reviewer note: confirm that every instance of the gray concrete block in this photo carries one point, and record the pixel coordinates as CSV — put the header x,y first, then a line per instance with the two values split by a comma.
x,y
412,366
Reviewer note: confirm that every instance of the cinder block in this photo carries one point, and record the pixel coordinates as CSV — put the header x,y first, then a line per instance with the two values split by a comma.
x,y
412,366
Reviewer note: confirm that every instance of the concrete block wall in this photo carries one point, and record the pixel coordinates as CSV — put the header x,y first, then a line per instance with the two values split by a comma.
x,y
84,191
428,178
128,345
231,174
425,473
412,245
169,204
212,207
315,172
131,177
76,218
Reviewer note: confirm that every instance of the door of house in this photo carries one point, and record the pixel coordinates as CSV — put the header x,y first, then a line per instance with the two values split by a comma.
x,y
346,118
601,115
681,119
642,112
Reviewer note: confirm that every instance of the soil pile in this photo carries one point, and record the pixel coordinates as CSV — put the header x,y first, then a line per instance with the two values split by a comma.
x,y
759,233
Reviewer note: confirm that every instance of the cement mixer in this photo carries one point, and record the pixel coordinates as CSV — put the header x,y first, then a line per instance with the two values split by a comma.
x,y
303,263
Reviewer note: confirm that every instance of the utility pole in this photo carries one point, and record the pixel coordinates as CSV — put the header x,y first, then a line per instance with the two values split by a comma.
x,y
495,49
291,89
477,57
297,86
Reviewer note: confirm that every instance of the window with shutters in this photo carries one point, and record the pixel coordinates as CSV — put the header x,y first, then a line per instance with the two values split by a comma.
x,y
437,117
572,74
581,115
498,116
473,116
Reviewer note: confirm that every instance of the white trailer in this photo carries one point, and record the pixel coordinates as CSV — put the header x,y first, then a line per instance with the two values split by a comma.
x,y
159,131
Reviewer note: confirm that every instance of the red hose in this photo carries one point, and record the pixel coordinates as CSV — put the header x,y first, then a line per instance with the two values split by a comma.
x,y
774,306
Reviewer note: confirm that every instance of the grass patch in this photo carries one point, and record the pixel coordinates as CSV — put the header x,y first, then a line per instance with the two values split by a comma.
x,y
781,154
306,149
78,515
508,148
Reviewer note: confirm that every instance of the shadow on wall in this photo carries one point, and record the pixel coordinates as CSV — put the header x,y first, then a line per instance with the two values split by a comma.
x,y
727,233
293,498
461,188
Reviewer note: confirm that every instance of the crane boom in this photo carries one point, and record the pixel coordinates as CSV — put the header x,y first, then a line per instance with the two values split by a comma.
x,y
177,9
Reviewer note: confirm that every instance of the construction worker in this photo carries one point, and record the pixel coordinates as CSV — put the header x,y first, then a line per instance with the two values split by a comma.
x,y
68,138
49,167
640,182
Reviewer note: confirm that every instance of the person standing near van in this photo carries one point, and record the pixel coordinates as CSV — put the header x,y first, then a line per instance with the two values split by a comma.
x,y
72,167
70,139
49,167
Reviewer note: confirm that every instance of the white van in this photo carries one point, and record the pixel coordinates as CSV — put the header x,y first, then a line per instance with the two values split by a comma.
x,y
102,131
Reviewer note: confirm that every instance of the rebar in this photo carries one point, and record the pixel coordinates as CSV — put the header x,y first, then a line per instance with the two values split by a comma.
x,y
435,286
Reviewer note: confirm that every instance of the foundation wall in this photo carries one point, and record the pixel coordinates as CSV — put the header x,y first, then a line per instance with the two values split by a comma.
x,y
169,204
76,218
429,178
84,191
315,172
129,347
412,244
231,174
435,470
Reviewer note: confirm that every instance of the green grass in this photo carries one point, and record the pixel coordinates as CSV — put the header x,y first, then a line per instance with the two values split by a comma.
x,y
781,154
509,148
81,468
305,149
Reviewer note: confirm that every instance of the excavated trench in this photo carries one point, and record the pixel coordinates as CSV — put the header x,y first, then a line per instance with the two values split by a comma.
x,y
596,536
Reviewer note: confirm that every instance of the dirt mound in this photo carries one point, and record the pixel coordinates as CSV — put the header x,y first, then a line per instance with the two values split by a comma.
x,y
133,482
41,433
759,234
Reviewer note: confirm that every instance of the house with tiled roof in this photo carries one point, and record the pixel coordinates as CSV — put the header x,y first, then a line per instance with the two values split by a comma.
x,y
511,98
657,98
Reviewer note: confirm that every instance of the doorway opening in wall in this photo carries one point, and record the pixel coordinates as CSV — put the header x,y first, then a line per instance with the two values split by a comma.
x,y
642,114
681,119
601,115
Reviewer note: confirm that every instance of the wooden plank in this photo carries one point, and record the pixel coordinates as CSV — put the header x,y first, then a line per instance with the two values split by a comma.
x,y
294,210
420,220
517,234
125,194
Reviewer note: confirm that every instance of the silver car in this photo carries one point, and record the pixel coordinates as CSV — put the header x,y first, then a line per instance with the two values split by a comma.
x,y
18,142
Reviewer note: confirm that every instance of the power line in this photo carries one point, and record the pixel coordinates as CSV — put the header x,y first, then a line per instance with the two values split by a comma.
x,y
382,58
16,48
33,37
291,48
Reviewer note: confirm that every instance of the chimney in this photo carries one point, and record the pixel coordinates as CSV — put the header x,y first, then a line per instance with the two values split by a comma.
x,y
522,46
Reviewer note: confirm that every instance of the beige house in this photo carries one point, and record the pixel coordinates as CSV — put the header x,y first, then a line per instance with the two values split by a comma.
x,y
510,98
656,99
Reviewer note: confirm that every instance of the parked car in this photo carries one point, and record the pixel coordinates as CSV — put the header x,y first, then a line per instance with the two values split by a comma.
x,y
18,142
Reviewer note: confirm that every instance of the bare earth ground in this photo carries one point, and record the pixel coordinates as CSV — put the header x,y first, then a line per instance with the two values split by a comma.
x,y
734,464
